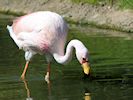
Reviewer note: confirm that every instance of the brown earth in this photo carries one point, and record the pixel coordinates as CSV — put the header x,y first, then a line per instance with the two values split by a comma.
x,y
101,16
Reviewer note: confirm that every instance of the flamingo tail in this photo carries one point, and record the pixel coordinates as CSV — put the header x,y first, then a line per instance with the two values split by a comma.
x,y
13,36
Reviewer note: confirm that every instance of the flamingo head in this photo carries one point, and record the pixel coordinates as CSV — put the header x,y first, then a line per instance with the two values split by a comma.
x,y
82,56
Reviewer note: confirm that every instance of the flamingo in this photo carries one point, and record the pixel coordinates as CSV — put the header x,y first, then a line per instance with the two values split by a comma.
x,y
45,32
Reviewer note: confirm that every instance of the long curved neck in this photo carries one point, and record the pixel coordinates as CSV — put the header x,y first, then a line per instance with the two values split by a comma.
x,y
68,55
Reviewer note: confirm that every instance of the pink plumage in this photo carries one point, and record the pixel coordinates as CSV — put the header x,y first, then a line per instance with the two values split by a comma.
x,y
50,30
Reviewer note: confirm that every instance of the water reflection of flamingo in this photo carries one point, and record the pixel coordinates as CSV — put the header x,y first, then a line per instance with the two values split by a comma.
x,y
45,32
87,95
27,90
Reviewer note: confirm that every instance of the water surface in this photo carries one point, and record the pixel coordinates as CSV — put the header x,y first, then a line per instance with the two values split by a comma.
x,y
111,66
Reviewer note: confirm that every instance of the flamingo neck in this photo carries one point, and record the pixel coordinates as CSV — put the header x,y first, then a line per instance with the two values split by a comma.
x,y
68,55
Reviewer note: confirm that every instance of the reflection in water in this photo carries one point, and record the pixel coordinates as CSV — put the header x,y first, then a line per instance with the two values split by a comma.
x,y
49,90
27,90
51,94
87,95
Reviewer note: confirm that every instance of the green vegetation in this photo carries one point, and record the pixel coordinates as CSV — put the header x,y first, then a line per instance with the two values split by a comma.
x,y
126,4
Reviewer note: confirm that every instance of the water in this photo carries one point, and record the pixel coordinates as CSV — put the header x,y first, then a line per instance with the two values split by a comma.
x,y
111,66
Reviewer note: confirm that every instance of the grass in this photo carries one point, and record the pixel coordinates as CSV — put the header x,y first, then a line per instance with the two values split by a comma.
x,y
126,4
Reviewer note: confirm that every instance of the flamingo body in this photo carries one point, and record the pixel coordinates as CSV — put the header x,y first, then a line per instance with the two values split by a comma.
x,y
49,29
45,32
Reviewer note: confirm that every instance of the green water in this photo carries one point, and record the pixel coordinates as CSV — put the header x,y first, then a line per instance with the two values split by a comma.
x,y
111,61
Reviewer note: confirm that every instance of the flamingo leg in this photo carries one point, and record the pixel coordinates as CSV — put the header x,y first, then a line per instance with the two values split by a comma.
x,y
25,69
47,76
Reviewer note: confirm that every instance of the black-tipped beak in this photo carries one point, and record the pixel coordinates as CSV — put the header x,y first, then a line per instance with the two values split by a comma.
x,y
86,76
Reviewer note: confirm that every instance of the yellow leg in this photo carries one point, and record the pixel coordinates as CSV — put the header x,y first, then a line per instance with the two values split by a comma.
x,y
24,71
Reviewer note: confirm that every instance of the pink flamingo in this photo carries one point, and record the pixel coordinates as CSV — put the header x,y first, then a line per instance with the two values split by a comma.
x,y
45,32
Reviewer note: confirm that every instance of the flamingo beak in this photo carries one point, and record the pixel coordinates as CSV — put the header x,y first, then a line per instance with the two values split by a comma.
x,y
86,68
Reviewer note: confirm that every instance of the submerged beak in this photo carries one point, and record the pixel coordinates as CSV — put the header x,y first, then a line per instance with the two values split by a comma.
x,y
86,68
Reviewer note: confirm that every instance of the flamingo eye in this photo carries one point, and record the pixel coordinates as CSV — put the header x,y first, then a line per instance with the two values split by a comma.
x,y
84,60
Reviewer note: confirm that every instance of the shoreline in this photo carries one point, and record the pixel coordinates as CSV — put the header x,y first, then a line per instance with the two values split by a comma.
x,y
84,14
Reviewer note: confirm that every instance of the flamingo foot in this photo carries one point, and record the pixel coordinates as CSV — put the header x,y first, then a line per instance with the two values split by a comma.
x,y
47,77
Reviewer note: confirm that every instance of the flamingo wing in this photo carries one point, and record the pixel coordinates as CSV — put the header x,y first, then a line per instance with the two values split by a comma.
x,y
45,30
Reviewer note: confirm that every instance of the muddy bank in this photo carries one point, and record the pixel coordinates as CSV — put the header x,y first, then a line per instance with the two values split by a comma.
x,y
101,16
